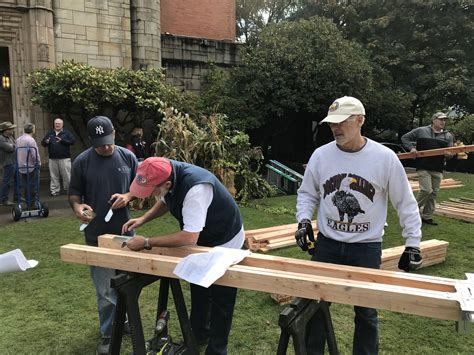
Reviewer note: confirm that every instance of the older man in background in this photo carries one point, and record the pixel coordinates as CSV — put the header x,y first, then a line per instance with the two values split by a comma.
x,y
429,169
59,142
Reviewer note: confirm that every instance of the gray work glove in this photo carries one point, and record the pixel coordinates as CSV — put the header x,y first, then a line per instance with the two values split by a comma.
x,y
410,260
305,236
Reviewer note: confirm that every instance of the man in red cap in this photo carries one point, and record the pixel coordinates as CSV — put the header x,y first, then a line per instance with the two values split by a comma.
x,y
208,216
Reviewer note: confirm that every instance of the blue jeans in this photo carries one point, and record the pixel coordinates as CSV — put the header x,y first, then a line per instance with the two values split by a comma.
x,y
8,172
211,316
366,334
106,298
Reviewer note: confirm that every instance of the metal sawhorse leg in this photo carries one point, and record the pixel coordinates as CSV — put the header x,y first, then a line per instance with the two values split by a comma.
x,y
293,321
129,286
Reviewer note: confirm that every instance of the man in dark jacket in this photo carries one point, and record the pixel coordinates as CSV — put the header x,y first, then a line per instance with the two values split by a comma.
x,y
429,169
7,160
208,216
59,142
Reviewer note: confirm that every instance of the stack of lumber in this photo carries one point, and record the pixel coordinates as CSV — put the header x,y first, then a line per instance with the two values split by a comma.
x,y
457,208
433,252
265,239
445,183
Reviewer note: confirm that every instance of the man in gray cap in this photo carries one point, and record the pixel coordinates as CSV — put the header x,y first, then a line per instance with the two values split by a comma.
x,y
429,169
7,160
100,180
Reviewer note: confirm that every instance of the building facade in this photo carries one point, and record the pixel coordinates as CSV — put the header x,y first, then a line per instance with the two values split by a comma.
x,y
183,36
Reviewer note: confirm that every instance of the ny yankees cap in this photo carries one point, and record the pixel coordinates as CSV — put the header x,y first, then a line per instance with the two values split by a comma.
x,y
343,108
150,173
101,131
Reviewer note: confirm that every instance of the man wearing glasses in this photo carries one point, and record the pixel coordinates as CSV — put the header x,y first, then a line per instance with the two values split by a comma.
x,y
429,169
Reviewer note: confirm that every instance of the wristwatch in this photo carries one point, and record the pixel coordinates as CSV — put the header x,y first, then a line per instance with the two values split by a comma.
x,y
147,245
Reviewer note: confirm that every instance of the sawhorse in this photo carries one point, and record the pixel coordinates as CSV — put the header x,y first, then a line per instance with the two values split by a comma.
x,y
293,321
129,286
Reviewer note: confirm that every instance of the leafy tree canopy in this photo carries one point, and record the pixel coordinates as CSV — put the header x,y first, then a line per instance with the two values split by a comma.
x,y
288,68
426,46
254,15
79,91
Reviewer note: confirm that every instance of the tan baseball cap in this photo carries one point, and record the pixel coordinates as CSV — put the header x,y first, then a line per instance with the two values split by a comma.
x,y
344,107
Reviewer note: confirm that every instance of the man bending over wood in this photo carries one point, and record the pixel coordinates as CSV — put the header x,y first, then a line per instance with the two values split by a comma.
x,y
208,216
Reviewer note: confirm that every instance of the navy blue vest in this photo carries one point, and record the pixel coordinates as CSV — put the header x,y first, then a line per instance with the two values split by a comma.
x,y
223,220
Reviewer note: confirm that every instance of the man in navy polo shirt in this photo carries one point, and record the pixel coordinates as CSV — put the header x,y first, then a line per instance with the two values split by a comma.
x,y
100,180
208,216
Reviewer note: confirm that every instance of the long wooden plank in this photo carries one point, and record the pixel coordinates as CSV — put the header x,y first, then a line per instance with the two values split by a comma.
x,y
455,215
422,302
463,206
311,268
461,211
273,235
435,152
272,229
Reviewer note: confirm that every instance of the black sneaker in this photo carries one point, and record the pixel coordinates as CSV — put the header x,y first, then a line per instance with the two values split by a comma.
x,y
104,346
429,221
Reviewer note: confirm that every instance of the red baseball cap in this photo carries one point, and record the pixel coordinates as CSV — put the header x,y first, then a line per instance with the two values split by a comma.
x,y
150,173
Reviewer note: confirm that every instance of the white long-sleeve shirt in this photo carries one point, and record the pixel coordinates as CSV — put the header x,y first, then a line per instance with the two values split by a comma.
x,y
352,191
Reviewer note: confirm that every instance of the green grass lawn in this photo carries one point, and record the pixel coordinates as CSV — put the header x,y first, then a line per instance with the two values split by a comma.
x,y
52,308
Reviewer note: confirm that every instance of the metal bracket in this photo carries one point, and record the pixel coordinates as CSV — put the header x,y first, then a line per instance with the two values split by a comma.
x,y
465,290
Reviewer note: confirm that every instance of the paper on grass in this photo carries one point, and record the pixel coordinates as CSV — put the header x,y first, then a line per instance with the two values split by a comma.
x,y
204,268
15,261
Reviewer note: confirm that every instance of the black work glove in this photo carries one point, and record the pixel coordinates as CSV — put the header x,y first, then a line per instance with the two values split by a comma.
x,y
305,237
410,259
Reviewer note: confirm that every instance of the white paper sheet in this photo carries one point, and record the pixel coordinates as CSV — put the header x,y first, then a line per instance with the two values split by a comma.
x,y
15,261
204,268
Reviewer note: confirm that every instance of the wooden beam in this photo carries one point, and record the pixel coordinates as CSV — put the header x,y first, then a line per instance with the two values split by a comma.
x,y
435,152
309,267
418,301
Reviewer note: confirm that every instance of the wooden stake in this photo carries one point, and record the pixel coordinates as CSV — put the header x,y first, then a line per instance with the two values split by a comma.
x,y
435,152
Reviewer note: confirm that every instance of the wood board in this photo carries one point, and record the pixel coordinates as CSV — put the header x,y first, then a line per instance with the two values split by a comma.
x,y
395,291
457,208
435,152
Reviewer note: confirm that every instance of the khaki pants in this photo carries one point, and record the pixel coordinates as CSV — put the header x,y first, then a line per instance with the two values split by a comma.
x,y
429,186
59,169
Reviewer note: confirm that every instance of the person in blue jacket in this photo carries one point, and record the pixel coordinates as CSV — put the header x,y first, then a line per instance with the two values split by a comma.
x,y
58,141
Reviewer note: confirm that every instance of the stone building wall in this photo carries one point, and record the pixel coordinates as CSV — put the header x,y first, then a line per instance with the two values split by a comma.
x,y
146,29
187,59
95,32
108,34
211,19
27,31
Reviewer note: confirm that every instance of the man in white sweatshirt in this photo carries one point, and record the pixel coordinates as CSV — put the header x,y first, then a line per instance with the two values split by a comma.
x,y
350,180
